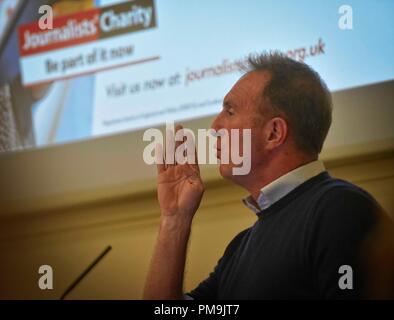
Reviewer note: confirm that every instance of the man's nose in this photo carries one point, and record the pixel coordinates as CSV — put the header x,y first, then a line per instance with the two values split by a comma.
x,y
216,124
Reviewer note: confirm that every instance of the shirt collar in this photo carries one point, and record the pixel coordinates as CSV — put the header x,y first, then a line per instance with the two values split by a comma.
x,y
280,187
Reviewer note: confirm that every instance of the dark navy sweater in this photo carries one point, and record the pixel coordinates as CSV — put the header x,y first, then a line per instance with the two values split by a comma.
x,y
297,245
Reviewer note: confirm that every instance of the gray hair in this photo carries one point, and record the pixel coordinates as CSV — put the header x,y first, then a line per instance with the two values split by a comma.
x,y
296,92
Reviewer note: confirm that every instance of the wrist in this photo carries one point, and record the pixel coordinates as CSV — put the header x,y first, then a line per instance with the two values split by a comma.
x,y
176,222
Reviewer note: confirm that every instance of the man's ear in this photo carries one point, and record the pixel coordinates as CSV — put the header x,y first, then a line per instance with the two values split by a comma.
x,y
276,132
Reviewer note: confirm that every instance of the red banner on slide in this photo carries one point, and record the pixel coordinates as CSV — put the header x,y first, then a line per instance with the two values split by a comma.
x,y
86,26
69,30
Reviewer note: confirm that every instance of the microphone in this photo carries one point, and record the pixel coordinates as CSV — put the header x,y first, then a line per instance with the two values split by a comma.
x,y
85,272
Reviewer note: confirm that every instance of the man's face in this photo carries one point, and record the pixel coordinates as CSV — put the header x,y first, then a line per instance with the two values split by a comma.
x,y
240,111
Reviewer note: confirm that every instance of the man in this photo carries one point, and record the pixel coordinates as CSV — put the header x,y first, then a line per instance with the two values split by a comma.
x,y
309,227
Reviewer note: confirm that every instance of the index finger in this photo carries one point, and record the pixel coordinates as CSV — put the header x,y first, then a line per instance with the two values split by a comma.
x,y
159,158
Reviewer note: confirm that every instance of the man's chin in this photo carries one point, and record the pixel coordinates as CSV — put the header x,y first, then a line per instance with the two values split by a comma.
x,y
226,171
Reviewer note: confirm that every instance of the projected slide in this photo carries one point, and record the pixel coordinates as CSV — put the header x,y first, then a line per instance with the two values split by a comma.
x,y
125,65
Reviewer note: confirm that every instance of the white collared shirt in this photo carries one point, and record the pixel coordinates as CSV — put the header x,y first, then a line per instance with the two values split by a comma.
x,y
280,187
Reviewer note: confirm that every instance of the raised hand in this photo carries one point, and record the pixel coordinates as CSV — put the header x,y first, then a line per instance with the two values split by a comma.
x,y
180,187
